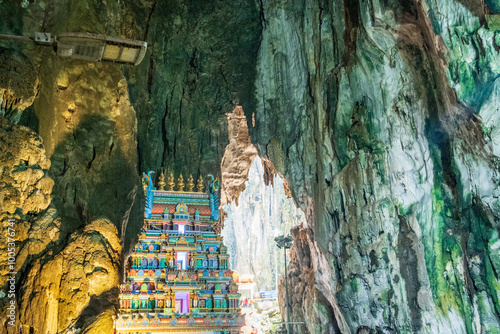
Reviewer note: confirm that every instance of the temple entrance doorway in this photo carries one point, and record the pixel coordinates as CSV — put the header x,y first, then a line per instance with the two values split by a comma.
x,y
181,260
182,302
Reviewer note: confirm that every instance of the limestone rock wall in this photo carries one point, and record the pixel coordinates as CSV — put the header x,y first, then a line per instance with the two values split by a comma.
x,y
385,151
381,115
76,287
61,282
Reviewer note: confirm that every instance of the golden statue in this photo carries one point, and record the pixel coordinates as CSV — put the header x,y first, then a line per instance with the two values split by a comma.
x,y
193,257
171,183
161,182
194,299
180,183
190,184
168,299
199,185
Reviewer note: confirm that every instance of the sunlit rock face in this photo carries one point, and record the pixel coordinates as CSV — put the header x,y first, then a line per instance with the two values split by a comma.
x,y
61,281
57,292
25,193
263,212
24,162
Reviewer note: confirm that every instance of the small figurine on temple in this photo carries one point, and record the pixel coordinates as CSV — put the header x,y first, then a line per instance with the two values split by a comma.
x,y
171,183
190,184
170,262
180,183
193,259
199,184
194,299
217,229
168,299
161,182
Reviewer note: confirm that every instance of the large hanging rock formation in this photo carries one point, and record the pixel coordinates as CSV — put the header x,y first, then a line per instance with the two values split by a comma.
x,y
382,115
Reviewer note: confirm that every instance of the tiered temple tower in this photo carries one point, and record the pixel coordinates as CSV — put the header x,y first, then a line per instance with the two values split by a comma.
x,y
179,280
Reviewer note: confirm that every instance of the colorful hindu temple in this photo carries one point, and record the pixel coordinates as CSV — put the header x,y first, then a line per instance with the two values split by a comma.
x,y
178,279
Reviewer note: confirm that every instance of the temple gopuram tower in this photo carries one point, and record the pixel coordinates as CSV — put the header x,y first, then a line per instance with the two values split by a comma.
x,y
179,280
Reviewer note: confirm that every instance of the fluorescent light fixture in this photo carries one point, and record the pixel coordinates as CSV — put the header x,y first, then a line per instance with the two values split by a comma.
x,y
89,47
100,48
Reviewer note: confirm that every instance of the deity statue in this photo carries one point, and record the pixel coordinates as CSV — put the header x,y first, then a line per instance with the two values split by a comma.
x,y
171,183
193,259
190,184
168,300
180,183
161,182
194,299
199,184
170,259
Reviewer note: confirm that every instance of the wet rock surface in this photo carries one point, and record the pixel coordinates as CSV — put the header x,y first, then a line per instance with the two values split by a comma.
x,y
381,115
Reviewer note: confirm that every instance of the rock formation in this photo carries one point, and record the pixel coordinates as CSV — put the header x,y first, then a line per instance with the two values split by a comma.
x,y
60,293
239,155
401,195
382,116
19,84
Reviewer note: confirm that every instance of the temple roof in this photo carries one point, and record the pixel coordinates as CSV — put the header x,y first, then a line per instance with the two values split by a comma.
x,y
170,199
159,208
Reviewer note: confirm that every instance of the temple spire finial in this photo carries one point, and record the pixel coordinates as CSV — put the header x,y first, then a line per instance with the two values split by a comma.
x,y
180,183
171,183
199,184
161,181
190,184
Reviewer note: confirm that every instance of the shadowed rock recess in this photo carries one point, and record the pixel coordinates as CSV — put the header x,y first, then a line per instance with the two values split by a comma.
x,y
382,115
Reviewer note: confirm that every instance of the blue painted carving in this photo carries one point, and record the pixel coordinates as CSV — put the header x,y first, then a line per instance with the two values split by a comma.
x,y
173,322
149,194
214,198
